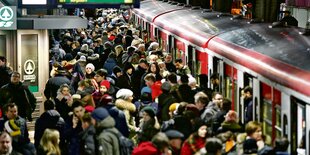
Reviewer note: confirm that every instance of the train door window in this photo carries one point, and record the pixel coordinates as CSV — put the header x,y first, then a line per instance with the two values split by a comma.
x,y
298,121
278,121
170,44
191,62
3,45
267,117
218,67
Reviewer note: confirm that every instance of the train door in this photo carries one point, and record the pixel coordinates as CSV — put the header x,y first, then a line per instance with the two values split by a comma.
x,y
191,59
217,67
249,80
171,45
299,137
230,85
7,45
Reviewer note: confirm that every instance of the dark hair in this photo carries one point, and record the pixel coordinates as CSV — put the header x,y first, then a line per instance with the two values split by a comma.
x,y
226,104
248,89
214,76
160,140
213,145
203,99
172,78
77,103
15,73
102,72
9,105
2,58
184,78
281,144
49,105
178,61
86,118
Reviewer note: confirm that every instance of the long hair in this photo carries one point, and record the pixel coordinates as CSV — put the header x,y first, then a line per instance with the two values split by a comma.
x,y
50,141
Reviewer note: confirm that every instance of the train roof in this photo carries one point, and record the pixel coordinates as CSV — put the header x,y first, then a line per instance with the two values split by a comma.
x,y
275,52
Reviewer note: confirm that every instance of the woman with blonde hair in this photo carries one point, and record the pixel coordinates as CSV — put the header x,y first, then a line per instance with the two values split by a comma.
x,y
49,144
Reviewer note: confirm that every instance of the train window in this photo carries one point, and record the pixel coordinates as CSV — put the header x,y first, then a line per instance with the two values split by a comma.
x,y
285,126
278,121
267,116
231,90
3,45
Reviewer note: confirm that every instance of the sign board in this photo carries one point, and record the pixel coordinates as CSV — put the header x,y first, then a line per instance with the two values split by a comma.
x,y
8,18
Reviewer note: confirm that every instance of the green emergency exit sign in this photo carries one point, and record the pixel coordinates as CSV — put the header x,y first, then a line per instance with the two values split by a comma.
x,y
8,18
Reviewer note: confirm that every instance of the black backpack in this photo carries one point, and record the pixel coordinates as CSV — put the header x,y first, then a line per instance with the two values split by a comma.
x,y
126,145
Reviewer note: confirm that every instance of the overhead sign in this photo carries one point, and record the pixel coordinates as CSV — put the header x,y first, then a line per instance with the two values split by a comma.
x,y
8,18
97,1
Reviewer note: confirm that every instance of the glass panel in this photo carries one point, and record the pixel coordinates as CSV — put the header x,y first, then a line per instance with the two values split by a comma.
x,y
267,115
228,86
3,45
278,121
29,60
236,97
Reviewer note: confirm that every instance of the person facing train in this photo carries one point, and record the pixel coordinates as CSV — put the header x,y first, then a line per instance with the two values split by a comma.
x,y
181,69
5,71
17,92
248,102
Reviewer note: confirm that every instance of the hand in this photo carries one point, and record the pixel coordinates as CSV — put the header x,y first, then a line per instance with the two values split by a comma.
x,y
75,121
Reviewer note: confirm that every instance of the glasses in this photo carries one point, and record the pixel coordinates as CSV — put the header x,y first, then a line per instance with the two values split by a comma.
x,y
16,76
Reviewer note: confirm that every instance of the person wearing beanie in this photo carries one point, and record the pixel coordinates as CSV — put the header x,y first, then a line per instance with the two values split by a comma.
x,y
123,102
106,132
175,141
124,81
103,90
90,71
137,74
12,127
195,143
164,101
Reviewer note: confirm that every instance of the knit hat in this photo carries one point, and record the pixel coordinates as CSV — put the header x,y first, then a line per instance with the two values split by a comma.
x,y
231,116
166,86
149,110
68,67
250,146
105,83
68,57
116,70
173,107
174,134
12,127
89,108
100,114
91,66
82,59
124,93
146,90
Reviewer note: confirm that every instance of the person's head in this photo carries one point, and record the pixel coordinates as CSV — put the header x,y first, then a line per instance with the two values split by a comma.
x,y
200,127
154,68
175,138
118,49
178,63
125,94
172,78
104,86
128,68
215,79
117,71
148,113
143,63
250,146
78,109
214,146
149,79
101,74
89,68
11,110
247,92
49,105
15,78
86,121
231,116
161,142
50,141
168,58
98,115
226,104
217,98
2,61
201,100
281,144
254,130
64,89
5,143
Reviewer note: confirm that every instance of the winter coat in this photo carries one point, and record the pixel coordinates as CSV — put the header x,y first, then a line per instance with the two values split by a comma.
x,y
53,85
146,148
108,143
87,144
72,137
193,144
128,108
119,117
230,126
109,64
137,74
62,107
124,81
5,75
49,119
164,101
21,96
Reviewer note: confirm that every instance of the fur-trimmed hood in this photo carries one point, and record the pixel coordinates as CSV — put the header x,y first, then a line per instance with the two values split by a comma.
x,y
125,105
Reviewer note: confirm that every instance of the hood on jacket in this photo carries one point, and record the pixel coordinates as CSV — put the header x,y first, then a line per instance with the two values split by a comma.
x,y
145,148
125,105
51,115
106,123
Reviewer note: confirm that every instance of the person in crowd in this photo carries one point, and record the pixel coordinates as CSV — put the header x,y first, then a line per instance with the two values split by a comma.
x,y
63,101
90,71
164,101
201,101
175,141
73,127
155,86
123,102
87,136
119,51
137,74
49,119
169,64
18,93
212,108
187,94
195,143
172,79
215,81
169,124
181,69
158,145
106,133
162,69
154,69
220,116
49,144
97,95
248,102
6,147
193,84
86,89
231,123
16,126
117,72
110,63
149,125
54,83
213,146
125,80
5,72
281,145
102,74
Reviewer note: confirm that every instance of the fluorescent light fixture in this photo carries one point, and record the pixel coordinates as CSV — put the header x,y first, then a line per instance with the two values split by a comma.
x,y
34,2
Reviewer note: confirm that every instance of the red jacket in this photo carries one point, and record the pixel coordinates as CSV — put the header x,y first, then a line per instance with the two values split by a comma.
x,y
145,148
156,90
192,145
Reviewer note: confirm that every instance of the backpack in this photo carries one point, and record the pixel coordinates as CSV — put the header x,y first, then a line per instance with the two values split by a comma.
x,y
126,145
